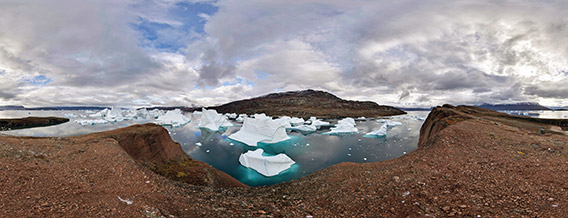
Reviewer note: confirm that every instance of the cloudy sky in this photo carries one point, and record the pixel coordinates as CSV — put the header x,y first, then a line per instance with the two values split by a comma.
x,y
170,52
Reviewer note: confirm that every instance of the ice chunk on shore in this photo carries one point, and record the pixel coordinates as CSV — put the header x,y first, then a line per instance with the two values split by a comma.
x,y
381,132
260,130
173,118
265,165
344,126
212,120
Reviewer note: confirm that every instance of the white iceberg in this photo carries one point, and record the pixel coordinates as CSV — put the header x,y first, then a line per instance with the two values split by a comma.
x,y
381,132
344,126
391,124
173,118
91,122
231,115
70,115
261,116
347,120
260,130
297,121
284,121
304,128
361,118
210,119
265,165
241,118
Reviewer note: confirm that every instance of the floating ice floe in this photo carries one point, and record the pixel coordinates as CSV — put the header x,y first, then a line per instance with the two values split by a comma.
x,y
265,165
108,115
318,123
391,124
231,115
344,126
297,121
90,122
173,118
260,130
241,118
381,132
70,115
210,119
347,120
304,128
361,118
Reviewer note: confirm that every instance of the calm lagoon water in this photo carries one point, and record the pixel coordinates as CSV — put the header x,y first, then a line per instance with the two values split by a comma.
x,y
310,152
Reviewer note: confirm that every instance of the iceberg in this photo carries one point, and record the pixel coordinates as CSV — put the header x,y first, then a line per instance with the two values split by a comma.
x,y
284,121
173,118
304,128
296,121
361,118
90,122
262,116
344,126
381,132
348,120
231,115
241,118
318,123
391,124
265,165
260,130
210,119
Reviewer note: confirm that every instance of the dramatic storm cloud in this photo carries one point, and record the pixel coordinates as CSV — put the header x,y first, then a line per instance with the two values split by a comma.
x,y
170,52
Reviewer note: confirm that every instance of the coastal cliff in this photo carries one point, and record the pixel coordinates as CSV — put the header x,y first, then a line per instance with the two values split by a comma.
x,y
470,161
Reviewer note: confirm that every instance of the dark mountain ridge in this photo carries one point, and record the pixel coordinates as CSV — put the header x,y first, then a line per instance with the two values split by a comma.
x,y
307,103
515,106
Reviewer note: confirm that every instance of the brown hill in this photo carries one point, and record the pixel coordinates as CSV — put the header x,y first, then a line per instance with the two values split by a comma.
x,y
307,103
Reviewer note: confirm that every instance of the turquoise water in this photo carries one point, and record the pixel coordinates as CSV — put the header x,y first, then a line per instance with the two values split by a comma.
x,y
311,152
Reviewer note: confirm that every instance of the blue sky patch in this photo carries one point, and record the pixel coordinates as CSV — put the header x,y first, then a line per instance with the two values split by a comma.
x,y
170,37
40,80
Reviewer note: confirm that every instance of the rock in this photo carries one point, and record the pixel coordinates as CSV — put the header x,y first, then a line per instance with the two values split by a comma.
x,y
446,208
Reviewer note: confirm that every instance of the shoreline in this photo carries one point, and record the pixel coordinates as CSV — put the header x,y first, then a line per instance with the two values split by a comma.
x,y
469,162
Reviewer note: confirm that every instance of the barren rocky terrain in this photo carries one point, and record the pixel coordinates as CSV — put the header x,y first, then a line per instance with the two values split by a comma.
x,y
471,162
29,122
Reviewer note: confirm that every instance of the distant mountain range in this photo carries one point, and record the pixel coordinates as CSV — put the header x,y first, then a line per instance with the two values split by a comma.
x,y
532,106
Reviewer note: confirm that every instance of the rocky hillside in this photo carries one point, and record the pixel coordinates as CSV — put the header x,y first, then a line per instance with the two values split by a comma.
x,y
29,122
307,103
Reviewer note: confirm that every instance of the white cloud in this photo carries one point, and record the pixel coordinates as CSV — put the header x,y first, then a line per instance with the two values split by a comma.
x,y
408,53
